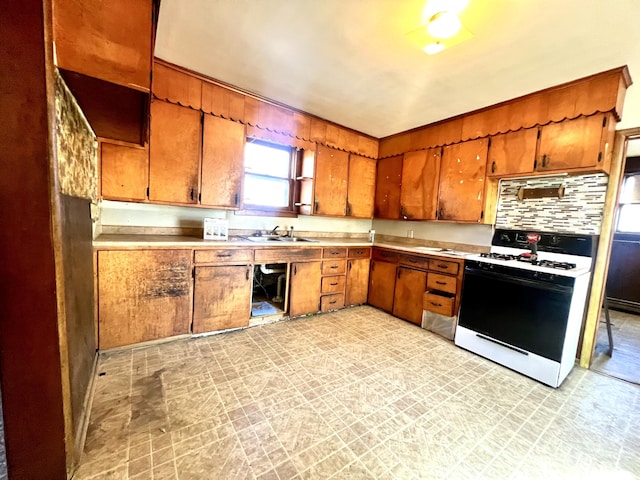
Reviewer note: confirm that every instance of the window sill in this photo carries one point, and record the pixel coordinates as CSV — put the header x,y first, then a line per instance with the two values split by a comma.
x,y
251,212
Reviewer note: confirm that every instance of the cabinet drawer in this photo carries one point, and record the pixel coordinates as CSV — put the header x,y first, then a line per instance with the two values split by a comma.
x,y
218,255
385,255
414,261
444,266
331,302
286,255
333,267
359,252
334,252
438,304
442,283
333,284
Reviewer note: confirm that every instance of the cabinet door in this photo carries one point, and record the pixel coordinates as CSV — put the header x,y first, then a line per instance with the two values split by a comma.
x,y
512,153
410,287
462,176
388,181
357,281
571,144
174,153
222,298
143,295
222,162
362,187
304,288
332,168
419,190
124,172
382,280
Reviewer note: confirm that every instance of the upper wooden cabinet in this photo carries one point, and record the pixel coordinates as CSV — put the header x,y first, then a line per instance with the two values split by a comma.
x,y
330,182
124,172
462,181
583,143
104,52
419,190
222,162
174,153
512,153
176,87
388,182
362,186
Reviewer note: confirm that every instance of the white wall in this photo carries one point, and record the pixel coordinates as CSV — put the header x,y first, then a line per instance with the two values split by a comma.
x,y
470,234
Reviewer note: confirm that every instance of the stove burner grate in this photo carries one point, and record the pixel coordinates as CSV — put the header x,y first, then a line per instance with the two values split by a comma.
x,y
548,263
499,256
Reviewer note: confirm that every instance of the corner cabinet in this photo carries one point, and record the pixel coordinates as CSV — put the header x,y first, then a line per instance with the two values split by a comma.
x,y
388,188
419,186
462,181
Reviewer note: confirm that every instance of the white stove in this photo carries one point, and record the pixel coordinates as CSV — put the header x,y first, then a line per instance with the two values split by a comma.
x,y
522,303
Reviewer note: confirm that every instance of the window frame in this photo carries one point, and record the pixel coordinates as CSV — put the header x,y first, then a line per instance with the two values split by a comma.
x,y
622,204
265,210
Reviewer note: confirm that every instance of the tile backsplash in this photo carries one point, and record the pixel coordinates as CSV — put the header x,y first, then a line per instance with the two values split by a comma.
x,y
579,211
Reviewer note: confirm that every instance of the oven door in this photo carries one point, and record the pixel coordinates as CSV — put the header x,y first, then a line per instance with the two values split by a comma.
x,y
526,313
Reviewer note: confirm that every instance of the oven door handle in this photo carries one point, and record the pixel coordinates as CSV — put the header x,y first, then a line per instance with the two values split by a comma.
x,y
505,277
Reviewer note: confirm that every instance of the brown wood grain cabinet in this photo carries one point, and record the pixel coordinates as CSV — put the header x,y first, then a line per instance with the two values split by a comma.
x,y
357,281
388,186
512,153
462,181
409,290
222,297
174,153
124,172
143,295
419,186
304,288
222,162
361,187
382,280
330,182
176,87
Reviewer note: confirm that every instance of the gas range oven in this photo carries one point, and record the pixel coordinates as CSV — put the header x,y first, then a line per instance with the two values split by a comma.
x,y
522,304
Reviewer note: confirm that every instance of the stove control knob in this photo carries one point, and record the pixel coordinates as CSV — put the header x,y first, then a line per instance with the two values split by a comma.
x,y
555,240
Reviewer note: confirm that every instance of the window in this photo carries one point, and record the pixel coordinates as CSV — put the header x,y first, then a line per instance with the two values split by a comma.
x,y
268,176
629,216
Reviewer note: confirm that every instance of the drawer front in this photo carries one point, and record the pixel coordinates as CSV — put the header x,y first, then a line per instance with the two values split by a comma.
x,y
334,267
333,284
331,302
223,255
359,252
385,255
334,252
414,261
438,304
444,266
286,255
442,283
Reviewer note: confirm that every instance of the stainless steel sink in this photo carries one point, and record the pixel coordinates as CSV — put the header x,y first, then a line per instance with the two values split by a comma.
x,y
276,238
296,239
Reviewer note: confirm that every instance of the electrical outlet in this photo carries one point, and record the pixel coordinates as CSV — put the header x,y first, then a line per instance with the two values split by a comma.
x,y
410,233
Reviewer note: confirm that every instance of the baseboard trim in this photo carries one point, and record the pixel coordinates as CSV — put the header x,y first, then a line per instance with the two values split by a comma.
x,y
624,305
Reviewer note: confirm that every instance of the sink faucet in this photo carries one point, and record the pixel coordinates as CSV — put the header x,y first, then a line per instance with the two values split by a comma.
x,y
291,232
273,232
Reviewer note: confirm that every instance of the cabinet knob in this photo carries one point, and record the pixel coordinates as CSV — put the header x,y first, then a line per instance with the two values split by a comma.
x,y
192,194
493,167
316,205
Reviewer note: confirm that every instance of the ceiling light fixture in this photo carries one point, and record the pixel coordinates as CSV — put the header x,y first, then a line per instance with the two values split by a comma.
x,y
444,25
433,48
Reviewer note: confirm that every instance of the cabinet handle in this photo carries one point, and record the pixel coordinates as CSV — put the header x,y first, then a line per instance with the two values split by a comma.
x,y
247,274
440,265
544,160
333,284
440,283
335,253
348,209
333,266
295,270
436,304
349,263
535,164
398,274
441,213
222,255
316,206
359,252
373,265
192,194
331,303
235,199
493,167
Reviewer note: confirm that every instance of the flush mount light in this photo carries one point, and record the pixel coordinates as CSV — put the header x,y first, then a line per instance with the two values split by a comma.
x,y
444,25
433,48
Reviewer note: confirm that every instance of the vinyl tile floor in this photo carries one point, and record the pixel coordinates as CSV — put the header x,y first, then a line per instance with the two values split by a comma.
x,y
354,394
624,363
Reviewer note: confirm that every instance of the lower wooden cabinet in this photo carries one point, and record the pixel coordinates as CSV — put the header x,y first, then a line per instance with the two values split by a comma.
x,y
222,297
304,288
143,295
382,279
409,290
357,281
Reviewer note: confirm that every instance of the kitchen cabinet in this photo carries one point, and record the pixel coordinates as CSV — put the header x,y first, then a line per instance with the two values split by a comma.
x,y
174,153
330,182
357,276
304,288
409,290
419,186
462,181
361,187
176,87
583,143
222,162
124,172
143,295
332,285
512,153
222,297
382,279
388,185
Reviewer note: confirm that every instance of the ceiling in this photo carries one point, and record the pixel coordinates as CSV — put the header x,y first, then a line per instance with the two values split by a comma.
x,y
352,62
